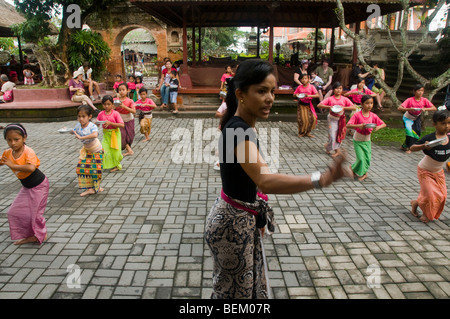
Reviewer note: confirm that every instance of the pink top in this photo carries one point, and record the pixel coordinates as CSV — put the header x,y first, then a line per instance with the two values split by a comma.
x,y
356,98
139,86
113,117
342,101
225,76
128,103
131,85
310,90
145,108
116,85
359,118
412,103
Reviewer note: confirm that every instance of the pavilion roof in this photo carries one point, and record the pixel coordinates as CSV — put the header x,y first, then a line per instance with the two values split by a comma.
x,y
287,13
8,17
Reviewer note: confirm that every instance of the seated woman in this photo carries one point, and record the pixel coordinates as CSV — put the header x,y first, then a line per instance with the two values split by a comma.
x,y
77,91
6,89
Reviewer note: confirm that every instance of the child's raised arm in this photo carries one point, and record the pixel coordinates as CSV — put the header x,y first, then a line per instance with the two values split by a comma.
x,y
419,147
30,168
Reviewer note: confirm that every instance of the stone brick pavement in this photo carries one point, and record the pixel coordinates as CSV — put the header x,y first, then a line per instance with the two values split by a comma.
x,y
143,236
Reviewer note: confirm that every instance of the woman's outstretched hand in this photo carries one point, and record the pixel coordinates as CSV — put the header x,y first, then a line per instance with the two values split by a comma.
x,y
335,171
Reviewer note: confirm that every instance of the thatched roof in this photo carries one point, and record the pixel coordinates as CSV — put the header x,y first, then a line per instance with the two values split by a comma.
x,y
8,17
287,13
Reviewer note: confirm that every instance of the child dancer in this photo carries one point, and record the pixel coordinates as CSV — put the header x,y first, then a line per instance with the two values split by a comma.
x,y
223,87
361,137
26,214
132,88
357,93
336,121
433,189
146,106
127,109
411,118
28,75
111,142
117,83
139,83
306,115
89,168
173,90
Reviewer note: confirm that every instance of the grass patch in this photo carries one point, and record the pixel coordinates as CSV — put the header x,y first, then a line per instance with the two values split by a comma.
x,y
394,136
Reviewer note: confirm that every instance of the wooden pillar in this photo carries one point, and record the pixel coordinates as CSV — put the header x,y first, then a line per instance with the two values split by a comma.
x,y
199,43
193,37
185,50
258,43
316,41
355,51
271,35
332,44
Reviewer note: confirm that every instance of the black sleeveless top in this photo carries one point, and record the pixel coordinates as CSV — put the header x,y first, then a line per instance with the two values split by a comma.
x,y
235,182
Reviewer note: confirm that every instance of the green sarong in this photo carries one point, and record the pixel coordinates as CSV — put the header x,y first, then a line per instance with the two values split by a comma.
x,y
363,152
112,148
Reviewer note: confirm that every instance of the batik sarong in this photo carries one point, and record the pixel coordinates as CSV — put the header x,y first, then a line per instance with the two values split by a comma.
x,y
89,171
127,133
306,118
433,192
26,214
336,132
413,129
235,244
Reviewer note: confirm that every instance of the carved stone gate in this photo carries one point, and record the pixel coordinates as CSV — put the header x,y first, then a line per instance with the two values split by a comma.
x,y
127,17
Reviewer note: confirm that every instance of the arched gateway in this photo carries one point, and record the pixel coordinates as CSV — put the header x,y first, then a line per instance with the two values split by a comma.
x,y
124,18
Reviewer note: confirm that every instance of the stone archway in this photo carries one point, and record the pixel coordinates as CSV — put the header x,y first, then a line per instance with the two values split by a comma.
x,y
125,18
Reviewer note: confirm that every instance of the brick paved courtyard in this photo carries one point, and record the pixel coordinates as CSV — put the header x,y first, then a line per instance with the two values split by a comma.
x,y
143,236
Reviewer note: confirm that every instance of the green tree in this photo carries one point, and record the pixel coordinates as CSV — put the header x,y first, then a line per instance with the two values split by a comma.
x,y
37,27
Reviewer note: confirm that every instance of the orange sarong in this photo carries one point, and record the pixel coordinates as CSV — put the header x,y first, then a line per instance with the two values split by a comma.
x,y
433,193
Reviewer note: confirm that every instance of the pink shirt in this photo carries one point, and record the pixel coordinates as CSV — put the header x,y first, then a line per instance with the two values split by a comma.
x,y
310,90
131,85
225,76
128,103
359,118
356,98
342,101
113,117
145,108
412,103
116,85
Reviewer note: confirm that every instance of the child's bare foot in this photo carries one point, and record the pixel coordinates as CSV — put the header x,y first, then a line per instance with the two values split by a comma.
x,y
301,135
90,191
128,153
31,239
100,190
114,169
414,205
363,177
336,154
424,219
310,135
146,140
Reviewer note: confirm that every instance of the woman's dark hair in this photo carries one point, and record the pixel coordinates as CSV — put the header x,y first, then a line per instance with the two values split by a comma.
x,y
143,90
359,80
122,84
174,72
250,72
302,75
15,127
365,98
107,98
336,85
85,108
440,116
418,86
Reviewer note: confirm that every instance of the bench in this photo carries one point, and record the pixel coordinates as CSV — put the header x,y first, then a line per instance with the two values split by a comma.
x,y
42,105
